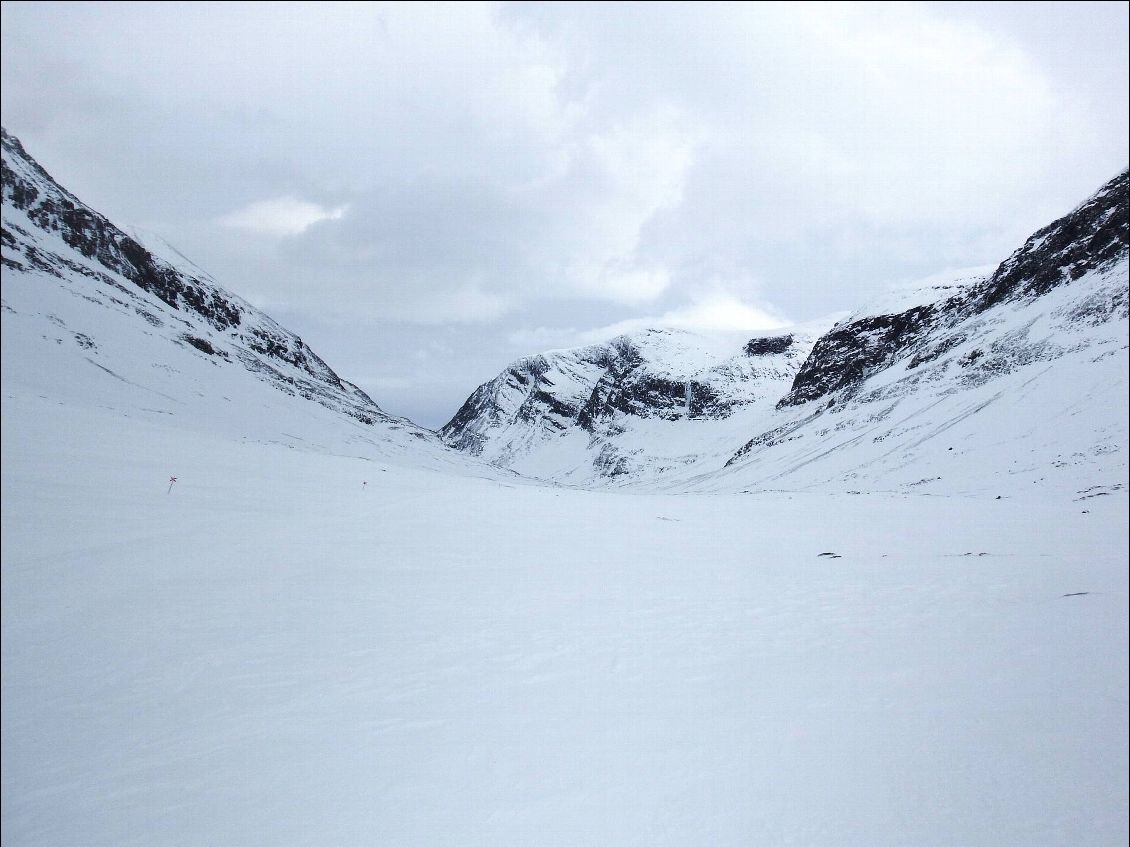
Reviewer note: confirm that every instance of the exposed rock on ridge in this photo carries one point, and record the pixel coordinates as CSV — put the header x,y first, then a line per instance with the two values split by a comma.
x,y
603,390
1091,236
863,399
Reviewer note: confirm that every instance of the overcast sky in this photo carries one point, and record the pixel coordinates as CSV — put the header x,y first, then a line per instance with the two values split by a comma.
x,y
426,192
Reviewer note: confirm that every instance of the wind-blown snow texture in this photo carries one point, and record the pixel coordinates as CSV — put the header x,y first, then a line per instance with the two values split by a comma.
x,y
331,630
916,391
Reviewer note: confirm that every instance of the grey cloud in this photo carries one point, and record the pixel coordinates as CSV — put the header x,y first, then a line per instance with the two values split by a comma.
x,y
505,168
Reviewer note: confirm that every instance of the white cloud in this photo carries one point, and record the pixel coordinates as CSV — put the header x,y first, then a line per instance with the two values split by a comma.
x,y
621,285
640,168
425,306
718,312
282,216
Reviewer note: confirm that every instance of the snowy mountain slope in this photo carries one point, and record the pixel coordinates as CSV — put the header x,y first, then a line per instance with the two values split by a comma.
x,y
1090,239
90,315
1030,396
1021,375
922,292
633,408
1023,368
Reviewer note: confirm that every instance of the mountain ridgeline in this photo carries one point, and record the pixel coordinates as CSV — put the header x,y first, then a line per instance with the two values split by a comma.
x,y
1091,237
835,403
576,403
1011,378
48,231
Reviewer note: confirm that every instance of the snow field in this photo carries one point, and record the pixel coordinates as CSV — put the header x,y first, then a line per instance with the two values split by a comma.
x,y
271,654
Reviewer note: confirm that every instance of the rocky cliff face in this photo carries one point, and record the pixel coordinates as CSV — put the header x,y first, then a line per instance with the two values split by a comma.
x,y
590,406
1091,237
47,230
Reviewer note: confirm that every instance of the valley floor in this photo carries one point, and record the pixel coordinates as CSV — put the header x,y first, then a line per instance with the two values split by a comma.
x,y
273,653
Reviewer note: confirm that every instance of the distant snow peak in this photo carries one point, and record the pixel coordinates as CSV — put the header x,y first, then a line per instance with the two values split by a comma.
x,y
569,413
913,327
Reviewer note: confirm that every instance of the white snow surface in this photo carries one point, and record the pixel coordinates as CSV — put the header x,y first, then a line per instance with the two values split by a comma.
x,y
272,653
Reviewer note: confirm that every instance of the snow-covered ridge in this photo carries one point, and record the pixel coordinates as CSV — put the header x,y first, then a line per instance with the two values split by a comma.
x,y
1018,379
923,292
47,231
673,408
656,390
1091,237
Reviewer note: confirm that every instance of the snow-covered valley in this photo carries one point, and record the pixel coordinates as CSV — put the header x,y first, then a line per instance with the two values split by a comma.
x,y
273,653
990,379
896,619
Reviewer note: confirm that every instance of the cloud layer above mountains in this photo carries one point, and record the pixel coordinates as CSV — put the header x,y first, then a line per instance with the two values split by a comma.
x,y
416,181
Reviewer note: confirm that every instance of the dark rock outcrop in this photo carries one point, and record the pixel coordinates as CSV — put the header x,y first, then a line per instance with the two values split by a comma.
x,y
768,346
1092,236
